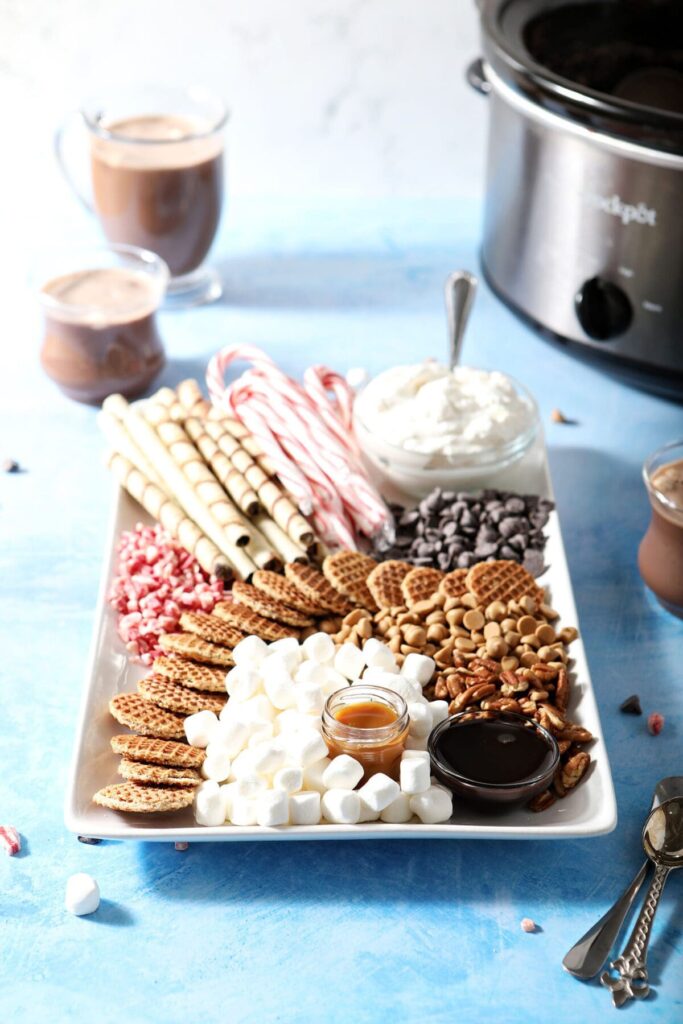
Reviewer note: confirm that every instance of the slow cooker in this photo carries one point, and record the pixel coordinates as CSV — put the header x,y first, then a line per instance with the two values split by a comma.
x,y
583,229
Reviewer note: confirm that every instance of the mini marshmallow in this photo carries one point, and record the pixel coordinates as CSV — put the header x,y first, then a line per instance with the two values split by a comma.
x,y
209,804
416,742
341,806
243,811
349,661
439,711
217,764
243,764
292,720
304,808
250,652
423,754
417,667
200,728
379,791
313,775
289,779
250,784
288,649
420,719
260,731
319,647
272,808
279,687
267,757
433,806
367,813
230,736
310,672
258,709
414,775
305,747
310,699
82,894
334,680
228,792
398,811
378,655
343,772
242,682
379,677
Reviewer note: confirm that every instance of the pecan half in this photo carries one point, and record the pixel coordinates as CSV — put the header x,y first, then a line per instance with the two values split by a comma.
x,y
556,719
542,801
472,695
440,689
562,690
501,704
575,734
454,686
574,770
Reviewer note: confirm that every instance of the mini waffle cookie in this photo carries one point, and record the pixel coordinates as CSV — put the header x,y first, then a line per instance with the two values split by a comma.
x,y
210,628
501,581
420,584
193,647
348,571
454,584
174,697
315,587
146,718
158,774
384,582
280,589
186,673
144,748
142,799
243,618
252,597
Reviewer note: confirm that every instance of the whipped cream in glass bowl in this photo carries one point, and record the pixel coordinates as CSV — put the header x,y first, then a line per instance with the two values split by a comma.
x,y
425,425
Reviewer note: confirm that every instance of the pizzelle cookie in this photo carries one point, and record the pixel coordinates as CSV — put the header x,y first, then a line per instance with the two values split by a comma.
x,y
384,582
280,589
145,748
252,597
142,799
146,718
187,673
316,588
348,571
454,584
193,647
211,628
501,581
174,697
420,584
158,774
251,623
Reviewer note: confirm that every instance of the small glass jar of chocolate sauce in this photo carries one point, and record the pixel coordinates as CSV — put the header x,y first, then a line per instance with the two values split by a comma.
x,y
493,757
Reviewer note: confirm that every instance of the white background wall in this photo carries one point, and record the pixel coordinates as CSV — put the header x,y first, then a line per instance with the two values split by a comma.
x,y
358,98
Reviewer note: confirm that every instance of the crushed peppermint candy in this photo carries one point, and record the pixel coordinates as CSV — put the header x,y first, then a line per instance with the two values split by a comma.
x,y
527,925
10,840
156,581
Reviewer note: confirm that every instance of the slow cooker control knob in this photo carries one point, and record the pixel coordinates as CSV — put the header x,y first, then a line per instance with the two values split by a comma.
x,y
603,309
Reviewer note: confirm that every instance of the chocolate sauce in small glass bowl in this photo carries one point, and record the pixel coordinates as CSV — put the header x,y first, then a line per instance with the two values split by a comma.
x,y
493,757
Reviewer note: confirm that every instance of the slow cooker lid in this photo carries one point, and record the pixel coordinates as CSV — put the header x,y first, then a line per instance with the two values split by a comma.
x,y
614,64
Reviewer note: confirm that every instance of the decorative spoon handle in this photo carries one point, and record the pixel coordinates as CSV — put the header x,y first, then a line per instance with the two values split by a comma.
x,y
460,289
631,966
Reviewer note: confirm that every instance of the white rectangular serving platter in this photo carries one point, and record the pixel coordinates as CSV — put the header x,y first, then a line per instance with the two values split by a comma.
x,y
589,811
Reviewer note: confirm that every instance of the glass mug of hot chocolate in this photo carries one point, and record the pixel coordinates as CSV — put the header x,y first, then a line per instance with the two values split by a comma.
x,y
660,556
156,178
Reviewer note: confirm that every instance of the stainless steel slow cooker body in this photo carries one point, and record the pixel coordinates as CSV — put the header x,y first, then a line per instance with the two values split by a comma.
x,y
583,230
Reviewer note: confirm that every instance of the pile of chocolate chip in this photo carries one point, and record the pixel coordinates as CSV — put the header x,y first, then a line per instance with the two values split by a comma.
x,y
455,530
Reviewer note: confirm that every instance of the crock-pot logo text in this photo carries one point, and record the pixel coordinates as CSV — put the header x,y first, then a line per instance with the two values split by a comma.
x,y
626,212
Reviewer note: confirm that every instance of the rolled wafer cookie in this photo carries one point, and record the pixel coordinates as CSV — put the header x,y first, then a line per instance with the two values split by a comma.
x,y
193,647
158,751
145,718
188,673
139,798
244,496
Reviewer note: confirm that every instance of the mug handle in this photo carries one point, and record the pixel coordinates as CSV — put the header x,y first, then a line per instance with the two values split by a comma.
x,y
58,141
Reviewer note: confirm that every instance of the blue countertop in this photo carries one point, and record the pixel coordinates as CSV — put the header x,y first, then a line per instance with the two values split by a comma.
x,y
359,931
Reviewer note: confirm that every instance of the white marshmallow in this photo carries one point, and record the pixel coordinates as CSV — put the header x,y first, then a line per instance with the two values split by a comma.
x,y
243,811
268,757
313,775
378,655
272,808
289,779
319,647
419,668
217,764
260,731
250,784
367,813
416,742
242,682
415,775
200,728
305,747
341,806
379,791
258,709
288,649
228,792
310,699
310,672
432,806
231,736
343,772
420,719
250,652
243,764
409,690
279,687
82,894
304,808
292,720
349,661
422,755
398,811
334,680
379,677
439,711
209,804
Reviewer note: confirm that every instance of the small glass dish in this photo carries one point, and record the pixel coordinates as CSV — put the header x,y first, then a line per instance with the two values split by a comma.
x,y
660,555
417,473
492,790
378,748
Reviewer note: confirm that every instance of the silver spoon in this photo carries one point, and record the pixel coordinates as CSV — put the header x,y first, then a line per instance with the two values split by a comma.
x,y
460,289
663,843
588,955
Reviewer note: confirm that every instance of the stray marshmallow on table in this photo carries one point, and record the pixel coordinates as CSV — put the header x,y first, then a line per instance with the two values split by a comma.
x,y
82,894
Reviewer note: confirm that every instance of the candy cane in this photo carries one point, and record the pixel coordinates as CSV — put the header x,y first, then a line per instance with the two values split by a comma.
x,y
307,433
